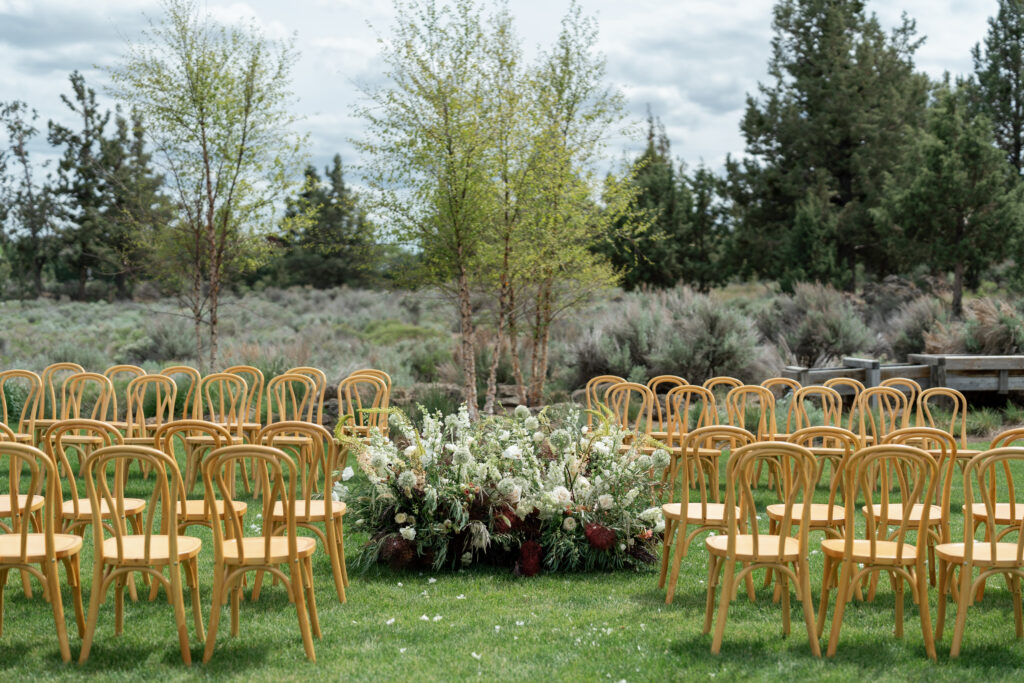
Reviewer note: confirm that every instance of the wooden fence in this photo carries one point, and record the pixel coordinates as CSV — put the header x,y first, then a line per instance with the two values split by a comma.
x,y
1001,374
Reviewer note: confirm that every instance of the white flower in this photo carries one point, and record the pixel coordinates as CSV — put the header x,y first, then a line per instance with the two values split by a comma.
x,y
504,435
467,559
538,437
569,524
660,526
531,423
378,460
513,452
407,479
410,451
339,491
605,501
643,462
424,617
517,492
431,580
460,596
562,495
408,533
601,448
438,617
505,487
660,458
650,514
474,655
522,412
462,456
390,621
426,459
631,495
401,517
622,547
347,474
584,429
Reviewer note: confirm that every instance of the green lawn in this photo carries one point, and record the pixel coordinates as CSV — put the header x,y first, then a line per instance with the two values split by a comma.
x,y
484,623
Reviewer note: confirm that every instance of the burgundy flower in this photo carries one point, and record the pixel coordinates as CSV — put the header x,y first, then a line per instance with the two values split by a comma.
x,y
599,536
504,519
529,558
397,552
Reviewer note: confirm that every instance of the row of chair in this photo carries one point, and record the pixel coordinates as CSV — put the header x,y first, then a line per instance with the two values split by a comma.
x,y
234,397
903,486
297,462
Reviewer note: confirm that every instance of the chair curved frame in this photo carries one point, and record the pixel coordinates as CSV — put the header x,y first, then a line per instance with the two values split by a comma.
x,y
872,422
191,403
290,397
76,390
619,399
163,391
595,391
24,429
319,378
661,414
925,416
831,402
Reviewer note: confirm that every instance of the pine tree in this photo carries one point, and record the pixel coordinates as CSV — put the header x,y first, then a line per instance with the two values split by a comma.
x,y
999,74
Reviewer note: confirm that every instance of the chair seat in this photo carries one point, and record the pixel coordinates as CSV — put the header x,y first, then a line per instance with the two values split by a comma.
x,y
885,551
1006,554
254,549
828,451
819,513
132,506
134,547
203,440
22,437
64,545
5,503
317,510
1002,513
767,546
714,512
289,440
895,513
195,510
139,441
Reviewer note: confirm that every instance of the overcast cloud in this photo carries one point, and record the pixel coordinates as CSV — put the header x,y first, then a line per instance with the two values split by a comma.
x,y
692,61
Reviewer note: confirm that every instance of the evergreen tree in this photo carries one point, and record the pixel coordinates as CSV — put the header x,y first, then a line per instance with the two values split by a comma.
x,y
706,233
999,74
336,245
953,198
820,138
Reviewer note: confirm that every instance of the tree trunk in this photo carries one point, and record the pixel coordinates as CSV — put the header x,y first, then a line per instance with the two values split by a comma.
x,y
958,290
513,344
539,353
499,340
468,353
214,300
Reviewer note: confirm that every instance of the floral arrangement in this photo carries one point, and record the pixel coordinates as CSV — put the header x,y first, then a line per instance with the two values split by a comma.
x,y
526,491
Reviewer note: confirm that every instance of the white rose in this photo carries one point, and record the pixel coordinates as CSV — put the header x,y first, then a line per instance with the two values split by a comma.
x,y
347,474
408,533
569,524
561,495
605,501
513,452
400,518
584,429
531,423
410,451
504,435
538,437
517,492
522,412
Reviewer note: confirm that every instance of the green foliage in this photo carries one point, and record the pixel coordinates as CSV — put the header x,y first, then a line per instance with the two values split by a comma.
x,y
983,422
999,79
387,332
906,330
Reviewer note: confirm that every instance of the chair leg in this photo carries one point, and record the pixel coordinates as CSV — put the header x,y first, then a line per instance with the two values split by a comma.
x,y
119,605
897,581
826,582
804,575
666,549
966,597
216,605
314,618
782,584
768,574
3,582
300,609
333,552
709,609
192,572
50,572
341,550
174,570
1018,618
73,569
926,621
677,559
723,605
236,596
842,597
98,596
943,585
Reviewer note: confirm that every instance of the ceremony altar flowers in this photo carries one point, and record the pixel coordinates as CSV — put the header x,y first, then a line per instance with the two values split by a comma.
x,y
527,491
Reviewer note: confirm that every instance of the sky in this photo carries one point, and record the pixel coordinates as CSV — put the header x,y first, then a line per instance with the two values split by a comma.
x,y
693,62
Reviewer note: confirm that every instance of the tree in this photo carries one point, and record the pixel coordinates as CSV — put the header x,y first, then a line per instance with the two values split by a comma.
x,y
429,145
953,198
215,100
326,239
999,74
29,203
820,138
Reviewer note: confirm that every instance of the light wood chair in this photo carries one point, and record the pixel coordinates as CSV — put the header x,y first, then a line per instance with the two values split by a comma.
x,y
252,420
594,392
847,387
150,552
235,556
743,543
827,400
687,407
117,374
37,553
23,427
879,548
291,396
661,426
190,398
878,411
957,425
51,406
720,386
787,389
81,388
913,390
361,405
320,380
150,405
320,462
631,407
702,450
991,556
223,400
762,401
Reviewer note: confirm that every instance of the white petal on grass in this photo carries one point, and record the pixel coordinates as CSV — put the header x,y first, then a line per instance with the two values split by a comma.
x,y
460,597
389,621
474,655
520,623
424,618
401,650
431,580
438,617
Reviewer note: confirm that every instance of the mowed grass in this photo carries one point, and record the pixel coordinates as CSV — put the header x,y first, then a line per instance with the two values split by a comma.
x,y
482,623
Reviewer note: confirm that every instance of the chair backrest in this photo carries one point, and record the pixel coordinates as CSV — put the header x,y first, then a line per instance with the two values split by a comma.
x,y
985,468
595,390
278,476
319,378
82,387
1007,439
828,402
318,466
104,479
361,401
631,405
33,391
117,374
290,397
385,400
77,437
224,399
190,399
833,444
688,407
170,434
926,413
884,475
254,380
656,383
6,433
713,437
943,448
51,402
785,390
912,389
799,472
878,411
846,385
758,399
31,473
151,400
373,372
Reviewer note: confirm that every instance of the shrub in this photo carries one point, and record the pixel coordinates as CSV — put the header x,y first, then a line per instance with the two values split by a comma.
x,y
905,330
983,422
